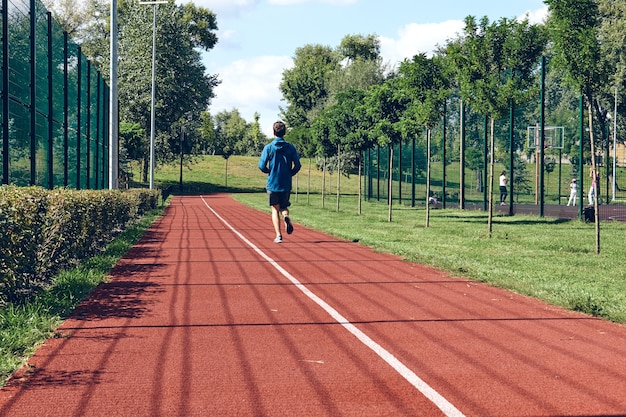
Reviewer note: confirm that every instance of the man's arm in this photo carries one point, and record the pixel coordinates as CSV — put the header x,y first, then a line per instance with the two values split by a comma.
x,y
263,162
296,162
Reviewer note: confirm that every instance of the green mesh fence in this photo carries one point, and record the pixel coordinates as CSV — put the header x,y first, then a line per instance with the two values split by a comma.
x,y
54,106
561,162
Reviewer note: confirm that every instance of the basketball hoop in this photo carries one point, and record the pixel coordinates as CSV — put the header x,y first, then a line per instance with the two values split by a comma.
x,y
554,137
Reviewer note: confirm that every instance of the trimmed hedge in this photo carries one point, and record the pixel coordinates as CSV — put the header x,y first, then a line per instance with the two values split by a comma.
x,y
45,231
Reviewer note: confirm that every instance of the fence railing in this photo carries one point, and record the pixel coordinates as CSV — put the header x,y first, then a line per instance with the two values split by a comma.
x,y
408,174
53,106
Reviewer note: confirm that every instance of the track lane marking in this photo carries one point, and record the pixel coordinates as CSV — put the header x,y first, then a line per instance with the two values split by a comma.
x,y
444,405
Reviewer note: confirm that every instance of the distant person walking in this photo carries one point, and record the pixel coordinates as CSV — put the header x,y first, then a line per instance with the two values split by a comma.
x,y
503,190
280,161
595,181
573,192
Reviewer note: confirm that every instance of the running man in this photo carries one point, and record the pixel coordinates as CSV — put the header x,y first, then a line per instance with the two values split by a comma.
x,y
281,162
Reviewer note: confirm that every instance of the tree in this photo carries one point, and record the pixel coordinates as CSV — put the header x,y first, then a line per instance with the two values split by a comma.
x,y
183,88
361,65
305,86
383,110
256,136
132,139
207,133
495,63
613,45
342,126
574,29
230,128
353,47
425,81
355,128
319,75
321,130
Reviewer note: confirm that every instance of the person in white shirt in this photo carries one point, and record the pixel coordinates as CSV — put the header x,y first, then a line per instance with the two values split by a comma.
x,y
573,192
503,190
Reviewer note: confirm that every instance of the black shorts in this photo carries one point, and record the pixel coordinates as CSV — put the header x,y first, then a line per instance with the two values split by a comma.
x,y
279,198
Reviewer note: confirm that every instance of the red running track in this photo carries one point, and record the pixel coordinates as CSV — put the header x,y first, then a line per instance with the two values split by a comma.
x,y
206,316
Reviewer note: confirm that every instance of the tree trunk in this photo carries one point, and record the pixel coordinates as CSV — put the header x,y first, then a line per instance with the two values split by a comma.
x,y
428,177
596,184
308,189
226,175
338,175
323,179
144,171
462,157
360,184
491,176
390,182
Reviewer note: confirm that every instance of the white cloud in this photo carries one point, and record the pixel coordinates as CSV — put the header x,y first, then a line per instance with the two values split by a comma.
x,y
290,2
537,16
252,86
418,38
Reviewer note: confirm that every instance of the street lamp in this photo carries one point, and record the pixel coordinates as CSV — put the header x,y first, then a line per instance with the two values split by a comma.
x,y
113,106
152,123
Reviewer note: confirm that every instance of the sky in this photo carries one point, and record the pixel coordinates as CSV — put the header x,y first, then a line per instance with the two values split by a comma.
x,y
257,39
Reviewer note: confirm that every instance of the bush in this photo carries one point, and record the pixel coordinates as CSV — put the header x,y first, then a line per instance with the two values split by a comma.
x,y
22,213
42,232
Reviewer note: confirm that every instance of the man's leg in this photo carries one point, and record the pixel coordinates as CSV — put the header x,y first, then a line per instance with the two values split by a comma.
x,y
288,225
284,210
276,219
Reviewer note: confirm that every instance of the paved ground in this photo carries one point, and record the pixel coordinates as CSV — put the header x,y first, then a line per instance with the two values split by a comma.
x,y
205,316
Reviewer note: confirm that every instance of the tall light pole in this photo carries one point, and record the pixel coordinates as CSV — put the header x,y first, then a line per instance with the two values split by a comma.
x,y
152,120
113,105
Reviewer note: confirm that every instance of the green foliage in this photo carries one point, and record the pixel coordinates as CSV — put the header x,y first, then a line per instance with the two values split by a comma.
x,y
301,138
384,107
230,133
184,89
133,138
22,225
355,47
42,231
426,81
573,27
201,25
305,86
495,61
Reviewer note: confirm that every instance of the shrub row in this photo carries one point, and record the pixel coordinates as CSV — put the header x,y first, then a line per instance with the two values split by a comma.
x,y
45,231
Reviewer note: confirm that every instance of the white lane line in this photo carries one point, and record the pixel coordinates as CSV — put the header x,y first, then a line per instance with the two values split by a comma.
x,y
444,405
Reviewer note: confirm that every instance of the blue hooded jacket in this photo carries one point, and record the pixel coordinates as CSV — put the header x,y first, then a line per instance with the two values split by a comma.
x,y
281,161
